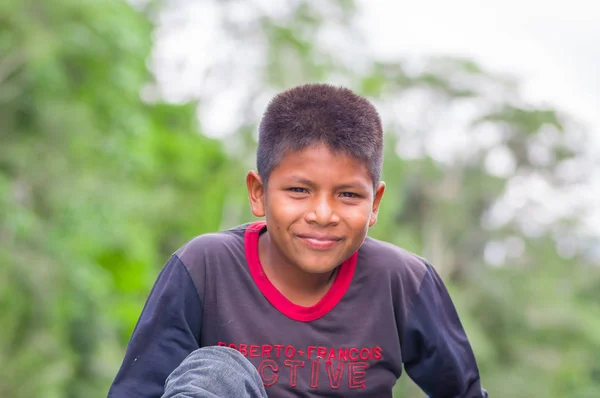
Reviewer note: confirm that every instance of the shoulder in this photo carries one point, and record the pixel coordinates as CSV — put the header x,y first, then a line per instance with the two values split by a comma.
x,y
212,246
392,261
408,275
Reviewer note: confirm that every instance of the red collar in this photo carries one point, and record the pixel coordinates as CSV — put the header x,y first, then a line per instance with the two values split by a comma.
x,y
296,312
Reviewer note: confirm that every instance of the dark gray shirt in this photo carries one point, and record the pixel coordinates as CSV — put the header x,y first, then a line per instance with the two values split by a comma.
x,y
387,308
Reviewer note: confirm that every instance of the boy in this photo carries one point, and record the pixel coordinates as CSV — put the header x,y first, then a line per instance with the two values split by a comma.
x,y
317,307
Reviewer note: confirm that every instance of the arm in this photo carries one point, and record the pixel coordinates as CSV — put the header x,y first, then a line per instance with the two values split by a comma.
x,y
436,352
167,331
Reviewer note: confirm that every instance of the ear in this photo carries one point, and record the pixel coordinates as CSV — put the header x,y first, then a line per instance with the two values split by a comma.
x,y
376,201
256,193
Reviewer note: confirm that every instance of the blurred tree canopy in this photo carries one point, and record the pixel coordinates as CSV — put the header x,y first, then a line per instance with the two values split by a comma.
x,y
98,186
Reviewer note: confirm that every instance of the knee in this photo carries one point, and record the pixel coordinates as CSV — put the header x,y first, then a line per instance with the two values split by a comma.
x,y
222,358
215,372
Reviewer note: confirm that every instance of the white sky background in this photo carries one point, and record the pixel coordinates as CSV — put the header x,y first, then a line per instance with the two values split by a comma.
x,y
552,46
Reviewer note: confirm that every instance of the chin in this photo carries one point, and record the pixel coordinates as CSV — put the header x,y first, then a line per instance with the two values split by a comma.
x,y
310,268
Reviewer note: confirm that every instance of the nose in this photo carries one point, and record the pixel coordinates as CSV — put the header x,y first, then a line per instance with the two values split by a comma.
x,y
322,211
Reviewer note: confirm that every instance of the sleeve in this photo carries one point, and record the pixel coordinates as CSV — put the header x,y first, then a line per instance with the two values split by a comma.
x,y
167,331
436,353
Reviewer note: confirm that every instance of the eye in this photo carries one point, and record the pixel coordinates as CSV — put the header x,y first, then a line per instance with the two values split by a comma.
x,y
349,195
297,190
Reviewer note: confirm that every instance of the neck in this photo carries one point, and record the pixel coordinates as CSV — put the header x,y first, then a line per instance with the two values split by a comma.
x,y
299,287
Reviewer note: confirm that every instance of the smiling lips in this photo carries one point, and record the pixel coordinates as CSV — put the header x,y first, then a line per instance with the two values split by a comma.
x,y
319,242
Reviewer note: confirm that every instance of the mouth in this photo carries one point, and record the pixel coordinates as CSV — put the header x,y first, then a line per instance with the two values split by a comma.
x,y
319,242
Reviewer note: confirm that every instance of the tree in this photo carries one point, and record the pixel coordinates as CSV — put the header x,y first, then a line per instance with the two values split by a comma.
x,y
98,188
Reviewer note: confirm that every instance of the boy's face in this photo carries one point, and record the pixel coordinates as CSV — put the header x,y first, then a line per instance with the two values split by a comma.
x,y
318,207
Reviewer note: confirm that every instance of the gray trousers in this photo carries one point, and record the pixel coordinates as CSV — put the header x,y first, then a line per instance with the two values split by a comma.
x,y
215,372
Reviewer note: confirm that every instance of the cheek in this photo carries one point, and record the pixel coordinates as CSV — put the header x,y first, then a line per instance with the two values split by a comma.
x,y
358,216
284,209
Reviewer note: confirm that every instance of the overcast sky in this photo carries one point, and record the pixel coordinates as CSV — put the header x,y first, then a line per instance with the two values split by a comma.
x,y
553,46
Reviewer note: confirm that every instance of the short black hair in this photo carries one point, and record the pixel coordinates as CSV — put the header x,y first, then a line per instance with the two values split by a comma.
x,y
313,114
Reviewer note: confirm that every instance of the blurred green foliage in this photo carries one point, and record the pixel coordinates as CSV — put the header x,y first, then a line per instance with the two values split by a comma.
x,y
98,187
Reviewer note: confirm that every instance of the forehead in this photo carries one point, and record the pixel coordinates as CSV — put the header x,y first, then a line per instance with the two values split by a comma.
x,y
319,164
